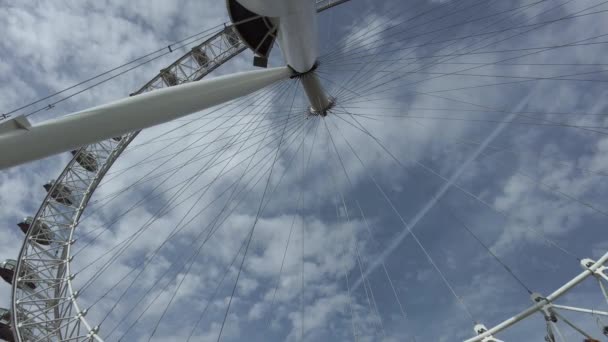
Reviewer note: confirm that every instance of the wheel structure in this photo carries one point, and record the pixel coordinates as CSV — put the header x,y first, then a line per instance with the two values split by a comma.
x,y
409,68
48,310
51,312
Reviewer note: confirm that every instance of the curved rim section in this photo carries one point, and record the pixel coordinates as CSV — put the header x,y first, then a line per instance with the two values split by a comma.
x,y
51,312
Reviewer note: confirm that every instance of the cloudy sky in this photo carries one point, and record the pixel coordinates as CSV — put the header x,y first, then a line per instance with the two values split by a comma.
x,y
462,167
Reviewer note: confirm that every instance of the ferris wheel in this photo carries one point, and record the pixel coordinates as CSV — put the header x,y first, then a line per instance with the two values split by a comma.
x,y
339,196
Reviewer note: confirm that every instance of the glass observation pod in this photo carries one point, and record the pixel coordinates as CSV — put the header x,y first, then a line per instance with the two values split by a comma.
x,y
86,159
233,38
200,56
6,333
169,77
60,193
7,272
41,233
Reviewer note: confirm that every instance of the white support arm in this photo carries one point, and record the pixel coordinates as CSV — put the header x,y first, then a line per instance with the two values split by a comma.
x,y
21,142
575,309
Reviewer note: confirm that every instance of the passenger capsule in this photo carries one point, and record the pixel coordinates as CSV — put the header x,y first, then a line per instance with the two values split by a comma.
x,y
7,271
86,160
61,193
233,38
200,57
168,77
41,233
6,334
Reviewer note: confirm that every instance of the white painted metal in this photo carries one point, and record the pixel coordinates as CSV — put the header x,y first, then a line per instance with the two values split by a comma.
x,y
575,309
297,37
297,33
480,329
319,101
599,272
600,275
553,332
538,306
21,145
19,122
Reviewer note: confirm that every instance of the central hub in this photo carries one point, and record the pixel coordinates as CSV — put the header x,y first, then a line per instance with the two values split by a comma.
x,y
320,102
292,23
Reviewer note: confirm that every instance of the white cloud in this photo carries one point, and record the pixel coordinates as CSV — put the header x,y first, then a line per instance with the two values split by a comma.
x,y
49,46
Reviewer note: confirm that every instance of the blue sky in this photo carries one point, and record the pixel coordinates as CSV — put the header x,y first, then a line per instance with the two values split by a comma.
x,y
430,97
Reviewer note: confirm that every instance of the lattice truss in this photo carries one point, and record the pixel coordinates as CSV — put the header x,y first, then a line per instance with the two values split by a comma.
x,y
44,302
198,62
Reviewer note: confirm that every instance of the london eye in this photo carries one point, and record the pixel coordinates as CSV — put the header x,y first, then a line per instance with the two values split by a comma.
x,y
309,170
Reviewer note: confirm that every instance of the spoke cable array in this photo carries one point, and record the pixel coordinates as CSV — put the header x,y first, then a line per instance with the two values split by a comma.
x,y
450,97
